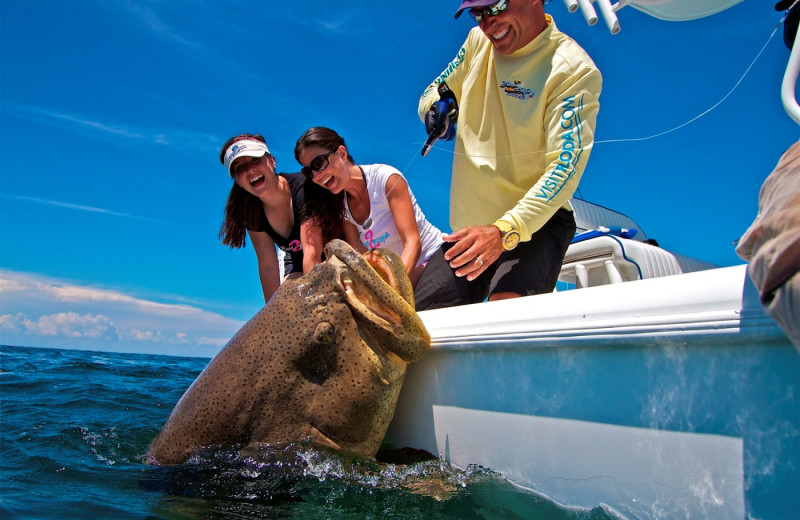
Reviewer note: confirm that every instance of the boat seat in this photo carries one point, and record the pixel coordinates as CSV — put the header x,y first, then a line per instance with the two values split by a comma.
x,y
608,259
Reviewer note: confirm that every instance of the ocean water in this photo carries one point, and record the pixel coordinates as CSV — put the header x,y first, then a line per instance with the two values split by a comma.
x,y
75,426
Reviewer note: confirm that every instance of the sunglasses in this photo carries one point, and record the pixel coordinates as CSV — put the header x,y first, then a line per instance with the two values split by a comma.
x,y
317,164
492,10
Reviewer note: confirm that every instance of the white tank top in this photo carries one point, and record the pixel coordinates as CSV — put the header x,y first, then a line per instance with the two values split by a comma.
x,y
381,230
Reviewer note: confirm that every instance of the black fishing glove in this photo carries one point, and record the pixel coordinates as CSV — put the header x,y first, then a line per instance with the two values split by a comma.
x,y
438,120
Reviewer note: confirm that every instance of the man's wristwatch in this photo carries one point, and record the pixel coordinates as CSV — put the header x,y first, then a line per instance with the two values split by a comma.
x,y
508,235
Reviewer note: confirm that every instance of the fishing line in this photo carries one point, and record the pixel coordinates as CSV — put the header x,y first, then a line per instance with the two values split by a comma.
x,y
660,134
413,157
403,172
718,103
367,223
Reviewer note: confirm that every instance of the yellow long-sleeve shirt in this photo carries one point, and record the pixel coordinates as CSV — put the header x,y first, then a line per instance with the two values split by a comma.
x,y
525,128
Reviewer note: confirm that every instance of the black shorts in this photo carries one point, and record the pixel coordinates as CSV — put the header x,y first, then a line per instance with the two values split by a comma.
x,y
531,268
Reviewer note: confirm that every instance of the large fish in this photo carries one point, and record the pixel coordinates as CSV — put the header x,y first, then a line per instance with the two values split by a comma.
x,y
323,361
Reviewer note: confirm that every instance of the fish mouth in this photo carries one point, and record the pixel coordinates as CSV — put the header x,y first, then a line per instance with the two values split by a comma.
x,y
379,293
383,262
391,269
365,301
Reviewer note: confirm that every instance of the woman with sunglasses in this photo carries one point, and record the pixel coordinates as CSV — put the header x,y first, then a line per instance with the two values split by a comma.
x,y
271,209
378,206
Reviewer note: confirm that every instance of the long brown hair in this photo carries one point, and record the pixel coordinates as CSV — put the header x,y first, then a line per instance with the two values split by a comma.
x,y
325,210
243,210
323,207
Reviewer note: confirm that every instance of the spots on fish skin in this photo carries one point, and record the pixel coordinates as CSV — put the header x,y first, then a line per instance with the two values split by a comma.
x,y
304,366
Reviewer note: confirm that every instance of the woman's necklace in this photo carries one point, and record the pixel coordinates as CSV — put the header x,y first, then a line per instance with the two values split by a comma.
x,y
368,222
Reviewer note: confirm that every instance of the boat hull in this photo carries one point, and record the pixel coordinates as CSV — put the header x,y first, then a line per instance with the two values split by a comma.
x,y
663,398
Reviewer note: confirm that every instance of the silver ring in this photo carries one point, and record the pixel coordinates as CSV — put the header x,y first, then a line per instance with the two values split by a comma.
x,y
479,260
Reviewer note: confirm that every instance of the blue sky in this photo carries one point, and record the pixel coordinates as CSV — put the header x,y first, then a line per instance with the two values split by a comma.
x,y
113,112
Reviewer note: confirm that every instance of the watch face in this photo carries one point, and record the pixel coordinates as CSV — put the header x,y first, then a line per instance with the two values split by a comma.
x,y
510,240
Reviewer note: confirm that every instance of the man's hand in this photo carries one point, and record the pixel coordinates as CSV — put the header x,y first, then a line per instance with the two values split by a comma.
x,y
475,249
437,120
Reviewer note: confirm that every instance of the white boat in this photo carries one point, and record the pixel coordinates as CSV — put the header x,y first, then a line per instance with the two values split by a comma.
x,y
673,396
656,388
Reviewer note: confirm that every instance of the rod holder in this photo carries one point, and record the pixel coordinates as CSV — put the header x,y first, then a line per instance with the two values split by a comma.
x,y
571,5
588,11
609,16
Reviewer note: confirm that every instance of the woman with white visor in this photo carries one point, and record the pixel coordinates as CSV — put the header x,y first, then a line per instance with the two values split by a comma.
x,y
270,208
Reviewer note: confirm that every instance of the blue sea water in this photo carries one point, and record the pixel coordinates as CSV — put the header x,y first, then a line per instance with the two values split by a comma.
x,y
75,426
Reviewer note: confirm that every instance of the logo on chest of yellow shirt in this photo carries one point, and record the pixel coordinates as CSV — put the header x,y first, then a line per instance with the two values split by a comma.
x,y
517,89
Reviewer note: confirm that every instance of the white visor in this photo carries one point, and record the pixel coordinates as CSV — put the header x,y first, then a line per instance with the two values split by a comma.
x,y
244,148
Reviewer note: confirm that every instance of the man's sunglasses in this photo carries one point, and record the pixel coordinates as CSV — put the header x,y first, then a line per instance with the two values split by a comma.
x,y
317,164
492,10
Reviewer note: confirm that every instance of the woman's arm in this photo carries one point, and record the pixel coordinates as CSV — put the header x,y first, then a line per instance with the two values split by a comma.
x,y
311,240
403,212
352,237
268,269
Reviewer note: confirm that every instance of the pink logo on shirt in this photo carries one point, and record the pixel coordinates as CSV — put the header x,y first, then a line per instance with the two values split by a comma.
x,y
373,242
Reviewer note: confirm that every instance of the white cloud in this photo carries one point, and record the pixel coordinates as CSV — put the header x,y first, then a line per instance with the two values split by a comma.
x,y
74,325
155,23
40,311
78,207
101,128
16,324
66,324
339,23
9,285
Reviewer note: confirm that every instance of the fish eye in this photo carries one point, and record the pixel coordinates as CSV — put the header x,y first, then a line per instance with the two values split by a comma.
x,y
324,332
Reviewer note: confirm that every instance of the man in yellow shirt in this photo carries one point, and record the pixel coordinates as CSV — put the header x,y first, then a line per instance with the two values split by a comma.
x,y
527,100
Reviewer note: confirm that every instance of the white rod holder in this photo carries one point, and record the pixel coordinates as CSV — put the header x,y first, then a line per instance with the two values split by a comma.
x,y
608,15
588,11
571,5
